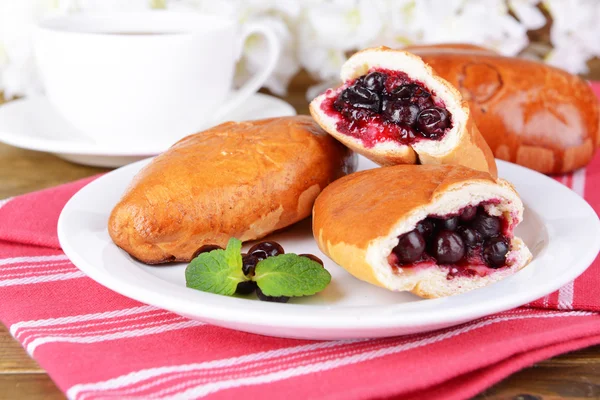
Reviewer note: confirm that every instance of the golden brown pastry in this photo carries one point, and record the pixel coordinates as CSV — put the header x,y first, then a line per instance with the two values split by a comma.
x,y
435,230
242,180
394,109
529,113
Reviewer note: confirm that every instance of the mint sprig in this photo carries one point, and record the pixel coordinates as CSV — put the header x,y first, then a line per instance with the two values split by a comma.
x,y
290,275
217,271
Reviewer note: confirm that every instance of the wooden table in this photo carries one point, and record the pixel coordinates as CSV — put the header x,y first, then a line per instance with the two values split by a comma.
x,y
571,376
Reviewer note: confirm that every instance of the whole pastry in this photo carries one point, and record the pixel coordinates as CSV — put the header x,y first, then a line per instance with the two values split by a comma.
x,y
394,109
242,180
529,113
435,230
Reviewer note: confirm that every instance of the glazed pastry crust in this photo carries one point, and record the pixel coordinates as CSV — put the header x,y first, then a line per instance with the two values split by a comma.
x,y
382,196
468,149
355,215
529,113
242,180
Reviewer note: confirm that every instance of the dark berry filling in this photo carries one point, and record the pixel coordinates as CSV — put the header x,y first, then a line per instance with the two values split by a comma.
x,y
470,236
205,249
312,257
495,250
273,299
270,249
410,247
468,243
246,287
426,227
449,224
386,105
249,262
468,213
447,247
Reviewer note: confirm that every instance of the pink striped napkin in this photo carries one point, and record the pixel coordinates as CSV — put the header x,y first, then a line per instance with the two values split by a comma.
x,y
97,344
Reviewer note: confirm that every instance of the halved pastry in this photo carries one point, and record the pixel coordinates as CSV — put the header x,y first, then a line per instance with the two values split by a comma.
x,y
238,179
394,109
435,230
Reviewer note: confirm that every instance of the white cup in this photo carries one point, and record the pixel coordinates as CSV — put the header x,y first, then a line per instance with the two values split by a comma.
x,y
150,77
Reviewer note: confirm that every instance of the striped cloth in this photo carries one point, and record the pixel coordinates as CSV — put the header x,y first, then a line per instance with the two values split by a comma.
x,y
97,344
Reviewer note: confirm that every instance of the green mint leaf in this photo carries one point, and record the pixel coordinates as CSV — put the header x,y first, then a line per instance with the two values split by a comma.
x,y
233,253
217,271
290,275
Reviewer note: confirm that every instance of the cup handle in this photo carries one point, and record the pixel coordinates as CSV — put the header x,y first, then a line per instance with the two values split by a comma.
x,y
253,84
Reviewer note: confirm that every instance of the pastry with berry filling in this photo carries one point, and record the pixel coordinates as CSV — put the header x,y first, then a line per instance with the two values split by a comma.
x,y
435,230
238,179
394,109
529,113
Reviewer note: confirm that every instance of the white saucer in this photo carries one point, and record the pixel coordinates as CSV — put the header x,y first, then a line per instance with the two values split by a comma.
x,y
560,228
32,123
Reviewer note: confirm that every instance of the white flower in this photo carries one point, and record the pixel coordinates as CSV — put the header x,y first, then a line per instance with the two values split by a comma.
x,y
571,58
320,61
528,13
344,25
575,33
487,23
319,34
327,30
240,9
256,51
290,9
91,6
496,28
18,74
225,8
278,15
401,25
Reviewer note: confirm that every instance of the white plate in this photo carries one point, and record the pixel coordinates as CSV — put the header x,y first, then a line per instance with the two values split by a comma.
x,y
32,123
560,228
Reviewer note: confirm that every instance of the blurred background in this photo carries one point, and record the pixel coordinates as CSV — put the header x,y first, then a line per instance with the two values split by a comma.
x,y
319,35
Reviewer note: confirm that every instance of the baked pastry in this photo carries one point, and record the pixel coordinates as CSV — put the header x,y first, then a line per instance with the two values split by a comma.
x,y
435,230
394,109
242,180
529,113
